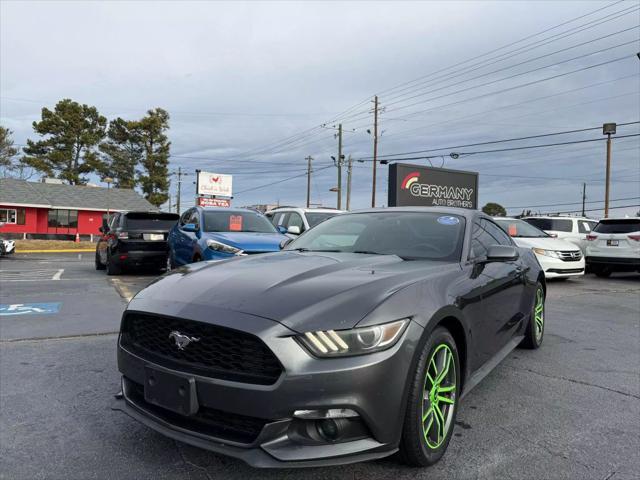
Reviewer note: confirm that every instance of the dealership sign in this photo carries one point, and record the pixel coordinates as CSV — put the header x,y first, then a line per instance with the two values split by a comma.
x,y
213,202
214,184
412,185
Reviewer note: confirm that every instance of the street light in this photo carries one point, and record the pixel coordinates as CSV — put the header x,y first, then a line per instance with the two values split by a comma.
x,y
608,129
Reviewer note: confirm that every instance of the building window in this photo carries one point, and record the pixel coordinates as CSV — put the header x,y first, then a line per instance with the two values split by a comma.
x,y
8,215
63,218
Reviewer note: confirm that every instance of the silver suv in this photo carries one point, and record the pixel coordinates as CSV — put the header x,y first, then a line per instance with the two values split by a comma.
x,y
293,221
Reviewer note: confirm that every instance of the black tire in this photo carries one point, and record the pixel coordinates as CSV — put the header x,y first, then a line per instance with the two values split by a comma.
x,y
196,258
99,265
417,448
112,268
602,272
534,335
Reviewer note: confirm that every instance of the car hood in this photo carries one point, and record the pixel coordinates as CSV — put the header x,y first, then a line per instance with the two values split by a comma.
x,y
547,243
248,241
303,291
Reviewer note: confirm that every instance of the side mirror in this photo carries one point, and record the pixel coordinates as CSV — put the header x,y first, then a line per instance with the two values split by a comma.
x,y
285,242
502,253
293,230
190,227
101,229
282,229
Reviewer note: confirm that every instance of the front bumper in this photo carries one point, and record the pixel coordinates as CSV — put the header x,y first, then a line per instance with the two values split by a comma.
x,y
616,263
371,385
557,268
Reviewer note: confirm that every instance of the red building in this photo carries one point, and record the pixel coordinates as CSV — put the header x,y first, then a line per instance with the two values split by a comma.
x,y
56,210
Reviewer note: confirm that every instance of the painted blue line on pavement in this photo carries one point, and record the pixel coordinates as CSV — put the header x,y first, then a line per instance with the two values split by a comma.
x,y
11,309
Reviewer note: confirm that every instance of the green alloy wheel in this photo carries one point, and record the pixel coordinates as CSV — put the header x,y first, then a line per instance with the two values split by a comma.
x,y
538,314
439,396
432,402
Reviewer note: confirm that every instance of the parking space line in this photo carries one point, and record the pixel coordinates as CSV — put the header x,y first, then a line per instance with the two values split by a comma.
x,y
58,274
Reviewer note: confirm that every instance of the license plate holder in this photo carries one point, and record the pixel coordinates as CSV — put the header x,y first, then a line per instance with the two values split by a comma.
x,y
154,237
170,391
613,243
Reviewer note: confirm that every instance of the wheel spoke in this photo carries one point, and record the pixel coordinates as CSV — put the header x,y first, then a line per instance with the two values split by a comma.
x,y
445,399
448,358
426,415
440,421
450,388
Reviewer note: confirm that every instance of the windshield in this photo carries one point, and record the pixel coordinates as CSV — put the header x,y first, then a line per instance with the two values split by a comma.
x,y
553,224
236,221
519,228
410,235
150,221
314,218
627,225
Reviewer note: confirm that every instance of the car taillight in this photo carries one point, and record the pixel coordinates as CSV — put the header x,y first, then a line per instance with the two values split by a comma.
x,y
123,235
635,237
591,237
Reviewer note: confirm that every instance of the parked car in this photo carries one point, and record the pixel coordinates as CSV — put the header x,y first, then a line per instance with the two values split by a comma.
x,y
293,221
7,247
558,258
134,239
332,352
219,233
571,229
614,246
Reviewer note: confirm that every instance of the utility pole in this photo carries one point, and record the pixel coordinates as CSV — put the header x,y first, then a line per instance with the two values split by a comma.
x,y
308,159
339,167
179,184
608,129
375,150
584,196
349,169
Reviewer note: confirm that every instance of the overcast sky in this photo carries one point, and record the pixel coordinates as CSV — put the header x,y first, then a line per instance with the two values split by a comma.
x,y
238,78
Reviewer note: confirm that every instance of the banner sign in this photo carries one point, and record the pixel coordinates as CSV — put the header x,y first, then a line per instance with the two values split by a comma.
x,y
413,185
213,202
215,184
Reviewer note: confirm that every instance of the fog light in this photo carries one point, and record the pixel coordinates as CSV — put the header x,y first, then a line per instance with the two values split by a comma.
x,y
329,413
329,429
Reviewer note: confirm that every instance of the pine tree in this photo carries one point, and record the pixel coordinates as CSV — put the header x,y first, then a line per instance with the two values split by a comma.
x,y
70,134
7,150
155,162
122,152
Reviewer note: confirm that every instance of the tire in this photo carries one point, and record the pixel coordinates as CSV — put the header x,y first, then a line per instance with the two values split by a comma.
x,y
534,335
196,258
99,265
426,434
112,268
602,272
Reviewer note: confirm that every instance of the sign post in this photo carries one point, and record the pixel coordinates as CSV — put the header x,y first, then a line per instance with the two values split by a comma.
x,y
413,185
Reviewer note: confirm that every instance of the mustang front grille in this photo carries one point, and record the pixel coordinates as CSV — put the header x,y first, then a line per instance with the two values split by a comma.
x,y
213,351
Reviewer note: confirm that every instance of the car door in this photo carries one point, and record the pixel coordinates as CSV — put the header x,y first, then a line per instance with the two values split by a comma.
x,y
502,294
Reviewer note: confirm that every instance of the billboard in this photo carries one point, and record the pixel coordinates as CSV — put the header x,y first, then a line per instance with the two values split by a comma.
x,y
413,185
215,184
213,202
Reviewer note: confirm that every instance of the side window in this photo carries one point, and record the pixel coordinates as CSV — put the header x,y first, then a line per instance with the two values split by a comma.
x,y
283,218
480,241
583,227
295,220
113,222
496,232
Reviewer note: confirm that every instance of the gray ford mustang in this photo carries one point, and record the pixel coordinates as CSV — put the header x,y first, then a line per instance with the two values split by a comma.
x,y
356,341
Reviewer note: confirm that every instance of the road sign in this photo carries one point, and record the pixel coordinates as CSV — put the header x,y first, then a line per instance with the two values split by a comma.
x,y
213,202
11,309
215,184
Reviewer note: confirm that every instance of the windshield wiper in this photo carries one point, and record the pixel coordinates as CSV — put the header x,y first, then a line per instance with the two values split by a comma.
x,y
369,252
304,249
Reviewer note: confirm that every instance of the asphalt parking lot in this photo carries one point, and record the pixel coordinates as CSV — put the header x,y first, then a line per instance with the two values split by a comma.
x,y
569,410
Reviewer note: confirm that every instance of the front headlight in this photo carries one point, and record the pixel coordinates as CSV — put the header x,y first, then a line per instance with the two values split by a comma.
x,y
546,253
357,341
223,247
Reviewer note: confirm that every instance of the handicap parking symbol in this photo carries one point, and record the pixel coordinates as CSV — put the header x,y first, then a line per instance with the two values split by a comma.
x,y
8,309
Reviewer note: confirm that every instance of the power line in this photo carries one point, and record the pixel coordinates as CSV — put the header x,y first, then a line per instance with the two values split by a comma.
x,y
572,203
279,181
595,209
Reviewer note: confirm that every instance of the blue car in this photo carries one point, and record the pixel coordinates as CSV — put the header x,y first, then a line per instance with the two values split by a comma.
x,y
219,233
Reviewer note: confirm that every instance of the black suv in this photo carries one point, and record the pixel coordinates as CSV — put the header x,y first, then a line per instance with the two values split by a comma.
x,y
134,239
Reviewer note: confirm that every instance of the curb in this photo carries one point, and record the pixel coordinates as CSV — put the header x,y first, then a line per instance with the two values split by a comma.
x,y
63,250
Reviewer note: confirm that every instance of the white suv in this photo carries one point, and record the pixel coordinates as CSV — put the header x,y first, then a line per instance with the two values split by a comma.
x,y
614,246
570,229
293,221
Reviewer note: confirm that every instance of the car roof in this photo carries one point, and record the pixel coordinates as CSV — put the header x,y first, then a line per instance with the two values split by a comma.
x,y
307,210
463,212
560,217
228,209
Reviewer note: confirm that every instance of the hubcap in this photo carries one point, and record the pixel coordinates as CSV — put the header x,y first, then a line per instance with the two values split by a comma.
x,y
539,314
439,396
